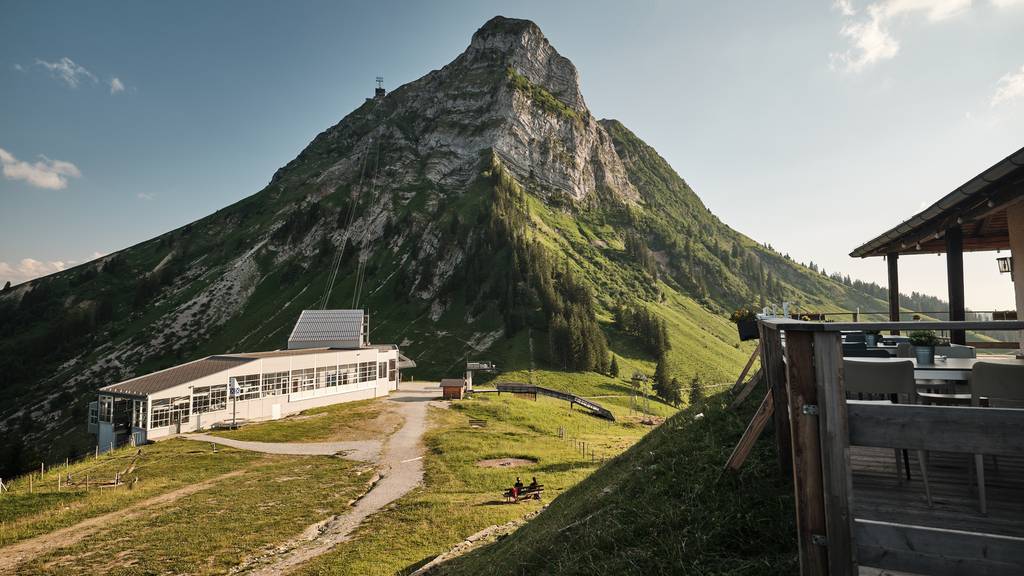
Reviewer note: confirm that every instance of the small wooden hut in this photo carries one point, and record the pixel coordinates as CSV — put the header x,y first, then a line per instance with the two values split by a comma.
x,y
452,388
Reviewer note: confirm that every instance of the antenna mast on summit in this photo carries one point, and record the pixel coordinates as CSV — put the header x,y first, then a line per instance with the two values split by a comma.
x,y
379,93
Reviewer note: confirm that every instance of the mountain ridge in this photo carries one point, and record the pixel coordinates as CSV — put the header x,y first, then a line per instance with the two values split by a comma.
x,y
480,209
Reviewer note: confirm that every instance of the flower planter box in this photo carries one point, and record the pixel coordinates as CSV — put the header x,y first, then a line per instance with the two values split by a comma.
x,y
747,330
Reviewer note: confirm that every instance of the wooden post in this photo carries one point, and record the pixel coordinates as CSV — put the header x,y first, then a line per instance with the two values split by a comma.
x,y
750,435
807,478
955,278
893,259
743,373
774,372
835,454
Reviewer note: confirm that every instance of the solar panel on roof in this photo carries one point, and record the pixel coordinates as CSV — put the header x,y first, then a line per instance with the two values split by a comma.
x,y
329,329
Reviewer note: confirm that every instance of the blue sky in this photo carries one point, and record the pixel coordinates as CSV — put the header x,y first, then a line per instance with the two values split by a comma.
x,y
122,120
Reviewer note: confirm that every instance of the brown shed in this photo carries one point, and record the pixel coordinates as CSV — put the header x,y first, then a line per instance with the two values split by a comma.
x,y
452,388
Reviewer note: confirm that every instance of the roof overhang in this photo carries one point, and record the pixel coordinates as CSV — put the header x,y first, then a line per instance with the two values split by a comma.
x,y
978,207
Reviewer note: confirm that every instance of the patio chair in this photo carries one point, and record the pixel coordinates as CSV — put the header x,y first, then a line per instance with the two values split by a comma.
x,y
853,348
854,337
890,380
1003,386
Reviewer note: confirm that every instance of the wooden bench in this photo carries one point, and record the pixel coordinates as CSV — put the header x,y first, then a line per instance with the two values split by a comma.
x,y
527,493
478,423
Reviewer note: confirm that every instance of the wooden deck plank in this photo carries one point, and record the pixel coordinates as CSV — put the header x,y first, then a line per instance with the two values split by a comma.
x,y
879,495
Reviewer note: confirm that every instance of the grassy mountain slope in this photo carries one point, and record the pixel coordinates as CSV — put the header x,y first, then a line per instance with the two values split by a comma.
x,y
659,508
457,246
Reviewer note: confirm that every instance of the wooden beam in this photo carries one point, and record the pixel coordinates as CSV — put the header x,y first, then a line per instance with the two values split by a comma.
x,y
955,279
893,259
965,429
751,434
925,550
774,370
750,362
807,477
835,452
754,381
996,345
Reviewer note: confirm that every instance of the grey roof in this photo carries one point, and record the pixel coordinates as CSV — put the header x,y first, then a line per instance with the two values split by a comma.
x,y
171,377
329,329
452,382
405,362
1004,174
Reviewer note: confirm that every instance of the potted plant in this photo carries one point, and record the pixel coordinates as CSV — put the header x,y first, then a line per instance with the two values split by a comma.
x,y
871,337
746,323
924,342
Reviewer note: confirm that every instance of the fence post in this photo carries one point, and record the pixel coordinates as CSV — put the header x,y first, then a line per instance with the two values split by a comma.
x,y
807,478
835,453
774,371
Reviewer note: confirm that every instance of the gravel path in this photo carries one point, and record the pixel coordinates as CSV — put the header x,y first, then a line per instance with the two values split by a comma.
x,y
401,470
363,450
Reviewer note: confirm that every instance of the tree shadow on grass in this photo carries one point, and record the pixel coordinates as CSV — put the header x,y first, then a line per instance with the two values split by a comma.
x,y
492,503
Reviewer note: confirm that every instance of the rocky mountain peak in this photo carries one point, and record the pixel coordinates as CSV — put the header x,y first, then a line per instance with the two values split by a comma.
x,y
522,45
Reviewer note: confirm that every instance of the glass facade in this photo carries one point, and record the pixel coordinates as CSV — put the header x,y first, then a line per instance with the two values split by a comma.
x,y
275,383
169,411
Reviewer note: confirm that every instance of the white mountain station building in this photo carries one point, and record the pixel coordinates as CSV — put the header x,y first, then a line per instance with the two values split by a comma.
x,y
329,360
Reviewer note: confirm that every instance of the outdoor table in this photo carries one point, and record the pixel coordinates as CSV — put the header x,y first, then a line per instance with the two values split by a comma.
x,y
948,369
941,399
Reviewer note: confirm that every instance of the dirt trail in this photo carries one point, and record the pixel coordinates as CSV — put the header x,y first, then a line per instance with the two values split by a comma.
x,y
13,555
401,470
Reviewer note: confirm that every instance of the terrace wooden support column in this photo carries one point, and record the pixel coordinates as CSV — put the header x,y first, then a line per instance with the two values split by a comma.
x,y
955,277
893,260
773,370
808,483
834,434
1015,224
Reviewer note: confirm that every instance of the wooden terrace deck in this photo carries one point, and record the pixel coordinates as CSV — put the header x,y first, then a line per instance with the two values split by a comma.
x,y
877,495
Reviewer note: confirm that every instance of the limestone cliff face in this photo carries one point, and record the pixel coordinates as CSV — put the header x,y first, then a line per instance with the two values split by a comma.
x,y
437,126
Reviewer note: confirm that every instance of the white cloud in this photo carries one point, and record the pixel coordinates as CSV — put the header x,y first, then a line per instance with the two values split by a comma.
x,y
845,7
1010,87
29,268
68,71
1006,3
146,195
116,86
45,173
870,35
18,67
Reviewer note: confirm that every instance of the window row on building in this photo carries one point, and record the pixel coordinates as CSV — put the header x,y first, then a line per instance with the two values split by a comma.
x,y
167,411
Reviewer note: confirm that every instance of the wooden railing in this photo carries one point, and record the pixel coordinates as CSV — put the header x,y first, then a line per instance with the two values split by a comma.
x,y
815,435
519,388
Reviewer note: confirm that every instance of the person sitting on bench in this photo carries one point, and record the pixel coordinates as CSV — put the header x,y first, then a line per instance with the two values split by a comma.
x,y
533,485
518,485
